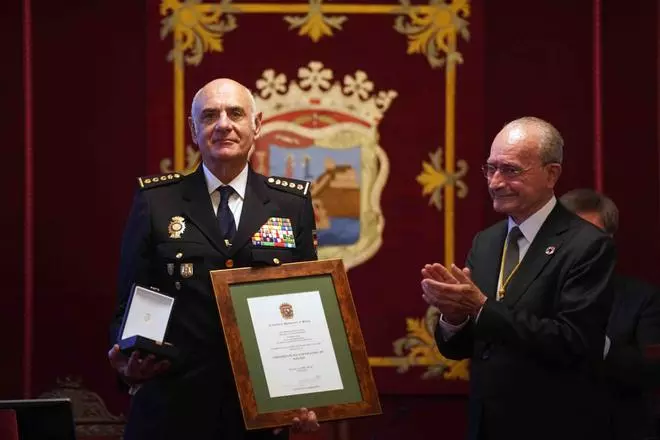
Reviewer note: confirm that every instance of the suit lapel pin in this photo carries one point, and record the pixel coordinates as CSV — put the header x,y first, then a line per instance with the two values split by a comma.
x,y
550,250
176,227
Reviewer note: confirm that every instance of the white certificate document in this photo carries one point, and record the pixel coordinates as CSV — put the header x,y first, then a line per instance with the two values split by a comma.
x,y
294,344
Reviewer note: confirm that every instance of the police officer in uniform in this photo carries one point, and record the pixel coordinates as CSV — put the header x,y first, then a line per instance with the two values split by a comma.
x,y
223,215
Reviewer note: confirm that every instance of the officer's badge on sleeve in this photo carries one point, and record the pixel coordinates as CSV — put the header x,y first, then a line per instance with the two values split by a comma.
x,y
276,232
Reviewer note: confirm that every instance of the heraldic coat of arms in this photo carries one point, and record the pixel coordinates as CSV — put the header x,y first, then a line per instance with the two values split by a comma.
x,y
326,132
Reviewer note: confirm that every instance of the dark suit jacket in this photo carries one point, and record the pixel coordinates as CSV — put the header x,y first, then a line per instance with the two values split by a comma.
x,y
634,324
197,398
532,352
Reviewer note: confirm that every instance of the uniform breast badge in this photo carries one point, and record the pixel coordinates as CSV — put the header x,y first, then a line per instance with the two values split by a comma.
x,y
176,227
276,232
186,270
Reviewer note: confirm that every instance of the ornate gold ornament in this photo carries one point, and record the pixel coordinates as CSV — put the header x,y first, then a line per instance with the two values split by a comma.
x,y
433,178
197,27
419,344
432,31
315,24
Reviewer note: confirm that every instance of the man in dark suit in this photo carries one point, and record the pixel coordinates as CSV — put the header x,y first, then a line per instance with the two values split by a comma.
x,y
179,229
530,308
633,326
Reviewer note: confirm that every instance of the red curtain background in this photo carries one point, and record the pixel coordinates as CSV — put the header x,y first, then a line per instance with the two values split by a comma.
x,y
102,115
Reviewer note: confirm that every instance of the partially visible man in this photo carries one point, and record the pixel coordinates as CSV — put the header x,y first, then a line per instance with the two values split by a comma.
x,y
531,307
634,325
179,229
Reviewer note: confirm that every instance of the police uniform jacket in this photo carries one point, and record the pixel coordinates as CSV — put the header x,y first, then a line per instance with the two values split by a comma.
x,y
171,241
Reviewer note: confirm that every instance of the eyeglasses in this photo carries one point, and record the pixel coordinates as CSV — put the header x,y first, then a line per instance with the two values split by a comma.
x,y
506,171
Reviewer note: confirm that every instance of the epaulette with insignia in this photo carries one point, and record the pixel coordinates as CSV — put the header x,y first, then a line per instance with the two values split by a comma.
x,y
158,180
293,186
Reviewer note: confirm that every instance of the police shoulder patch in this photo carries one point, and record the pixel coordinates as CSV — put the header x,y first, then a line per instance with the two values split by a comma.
x,y
293,186
147,182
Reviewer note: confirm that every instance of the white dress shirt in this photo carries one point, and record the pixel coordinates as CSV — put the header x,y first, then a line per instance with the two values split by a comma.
x,y
235,202
529,228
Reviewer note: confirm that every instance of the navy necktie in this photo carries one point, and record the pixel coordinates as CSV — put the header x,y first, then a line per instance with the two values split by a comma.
x,y
225,217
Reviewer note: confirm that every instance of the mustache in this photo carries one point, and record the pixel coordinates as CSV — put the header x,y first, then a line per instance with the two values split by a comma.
x,y
499,193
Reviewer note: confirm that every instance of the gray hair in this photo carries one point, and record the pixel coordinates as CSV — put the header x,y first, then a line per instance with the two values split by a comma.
x,y
585,200
552,144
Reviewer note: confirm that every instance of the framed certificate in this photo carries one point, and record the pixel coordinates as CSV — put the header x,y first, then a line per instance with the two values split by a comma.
x,y
294,341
